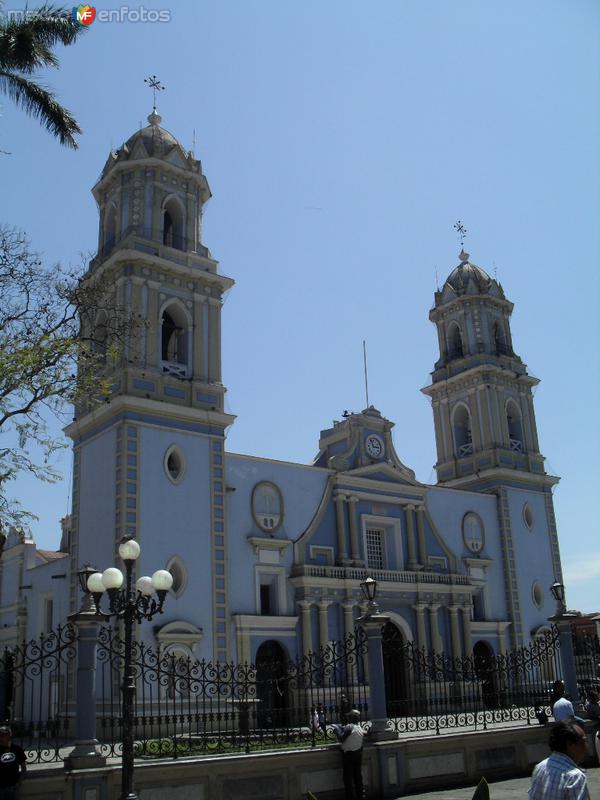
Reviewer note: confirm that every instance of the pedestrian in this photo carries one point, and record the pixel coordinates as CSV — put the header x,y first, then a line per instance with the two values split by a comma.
x,y
592,709
321,714
345,707
351,737
562,709
314,720
558,777
12,765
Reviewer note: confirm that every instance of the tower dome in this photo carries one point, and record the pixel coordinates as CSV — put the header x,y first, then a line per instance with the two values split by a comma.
x,y
468,278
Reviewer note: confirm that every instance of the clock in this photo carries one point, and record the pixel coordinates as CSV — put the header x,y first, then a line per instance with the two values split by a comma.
x,y
374,446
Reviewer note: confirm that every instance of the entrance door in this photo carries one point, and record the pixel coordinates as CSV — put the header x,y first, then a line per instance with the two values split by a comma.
x,y
394,669
483,657
271,685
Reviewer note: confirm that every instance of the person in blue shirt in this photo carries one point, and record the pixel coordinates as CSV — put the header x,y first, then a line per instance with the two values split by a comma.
x,y
558,777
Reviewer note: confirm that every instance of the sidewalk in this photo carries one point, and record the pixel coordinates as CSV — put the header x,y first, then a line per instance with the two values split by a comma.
x,y
505,790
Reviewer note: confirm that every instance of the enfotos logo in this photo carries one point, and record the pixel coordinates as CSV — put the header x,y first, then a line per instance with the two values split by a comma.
x,y
84,15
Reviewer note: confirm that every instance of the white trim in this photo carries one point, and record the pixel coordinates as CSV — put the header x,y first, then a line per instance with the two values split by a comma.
x,y
174,449
316,550
401,624
388,524
177,560
277,581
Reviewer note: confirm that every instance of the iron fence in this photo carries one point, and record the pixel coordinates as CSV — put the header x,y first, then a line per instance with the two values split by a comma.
x,y
36,679
586,647
428,691
185,707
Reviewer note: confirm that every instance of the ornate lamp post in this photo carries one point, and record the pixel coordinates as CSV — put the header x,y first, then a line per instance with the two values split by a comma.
x,y
558,592
373,622
563,619
131,606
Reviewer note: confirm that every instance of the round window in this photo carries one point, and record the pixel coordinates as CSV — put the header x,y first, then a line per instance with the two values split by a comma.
x,y
177,570
473,535
528,515
537,594
267,506
174,464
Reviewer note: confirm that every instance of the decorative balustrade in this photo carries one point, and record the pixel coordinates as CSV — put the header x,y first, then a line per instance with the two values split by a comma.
x,y
381,575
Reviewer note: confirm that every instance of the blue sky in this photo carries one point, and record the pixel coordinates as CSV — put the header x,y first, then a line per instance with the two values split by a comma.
x,y
341,141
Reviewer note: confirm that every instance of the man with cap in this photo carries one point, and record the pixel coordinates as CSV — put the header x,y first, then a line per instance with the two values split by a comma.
x,y
12,765
351,737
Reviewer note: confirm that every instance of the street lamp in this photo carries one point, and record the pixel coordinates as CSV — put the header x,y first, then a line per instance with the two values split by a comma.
x,y
131,606
369,589
558,592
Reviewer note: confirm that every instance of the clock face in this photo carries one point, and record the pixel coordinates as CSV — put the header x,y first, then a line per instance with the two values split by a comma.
x,y
374,446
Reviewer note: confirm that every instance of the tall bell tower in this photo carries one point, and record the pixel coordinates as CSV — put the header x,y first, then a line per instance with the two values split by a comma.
x,y
481,391
486,434
149,462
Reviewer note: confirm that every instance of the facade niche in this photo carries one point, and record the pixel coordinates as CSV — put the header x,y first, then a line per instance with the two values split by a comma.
x,y
173,224
463,440
515,428
455,342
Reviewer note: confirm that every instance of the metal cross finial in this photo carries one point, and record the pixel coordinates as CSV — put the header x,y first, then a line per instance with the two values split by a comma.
x,y
462,232
156,86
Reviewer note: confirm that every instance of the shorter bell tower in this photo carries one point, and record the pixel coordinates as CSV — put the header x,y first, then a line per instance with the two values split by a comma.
x,y
481,391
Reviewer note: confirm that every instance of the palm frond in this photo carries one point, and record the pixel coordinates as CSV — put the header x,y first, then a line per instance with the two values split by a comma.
x,y
41,104
25,44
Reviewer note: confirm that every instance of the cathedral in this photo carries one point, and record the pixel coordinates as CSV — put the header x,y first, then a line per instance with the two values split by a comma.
x,y
266,553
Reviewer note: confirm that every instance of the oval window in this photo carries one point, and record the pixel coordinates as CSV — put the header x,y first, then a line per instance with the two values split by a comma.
x,y
537,594
174,464
528,515
473,532
177,570
267,506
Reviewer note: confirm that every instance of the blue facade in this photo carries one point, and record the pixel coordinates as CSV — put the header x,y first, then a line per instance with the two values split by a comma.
x,y
264,550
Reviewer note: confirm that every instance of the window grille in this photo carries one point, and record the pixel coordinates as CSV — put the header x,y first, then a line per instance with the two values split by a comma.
x,y
375,548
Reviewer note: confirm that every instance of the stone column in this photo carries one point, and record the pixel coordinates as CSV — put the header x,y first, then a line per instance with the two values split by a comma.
x,y
373,627
410,536
421,535
466,612
454,632
421,634
305,621
86,753
342,556
436,639
567,659
354,548
502,642
348,607
323,623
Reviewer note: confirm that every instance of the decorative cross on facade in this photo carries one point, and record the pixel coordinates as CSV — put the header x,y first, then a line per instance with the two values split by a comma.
x,y
156,86
462,232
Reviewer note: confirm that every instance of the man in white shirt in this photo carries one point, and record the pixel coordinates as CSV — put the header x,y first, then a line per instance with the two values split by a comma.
x,y
558,777
351,739
562,708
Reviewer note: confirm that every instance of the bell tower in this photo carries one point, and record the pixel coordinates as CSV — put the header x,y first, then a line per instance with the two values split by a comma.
x,y
149,463
480,390
150,196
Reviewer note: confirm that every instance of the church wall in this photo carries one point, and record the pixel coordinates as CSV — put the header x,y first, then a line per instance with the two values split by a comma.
x,y
533,557
97,457
447,508
302,489
175,520
46,587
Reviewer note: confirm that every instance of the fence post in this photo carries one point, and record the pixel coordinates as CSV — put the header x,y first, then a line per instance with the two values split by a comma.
x,y
567,656
86,753
373,627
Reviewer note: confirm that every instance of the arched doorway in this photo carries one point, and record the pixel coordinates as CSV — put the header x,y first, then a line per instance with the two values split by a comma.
x,y
394,670
483,659
271,685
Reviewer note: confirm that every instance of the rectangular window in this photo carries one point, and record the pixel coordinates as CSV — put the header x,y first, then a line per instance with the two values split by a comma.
x,y
266,605
47,615
375,548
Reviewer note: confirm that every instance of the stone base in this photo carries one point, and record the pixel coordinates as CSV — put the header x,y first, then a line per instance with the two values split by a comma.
x,y
85,755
